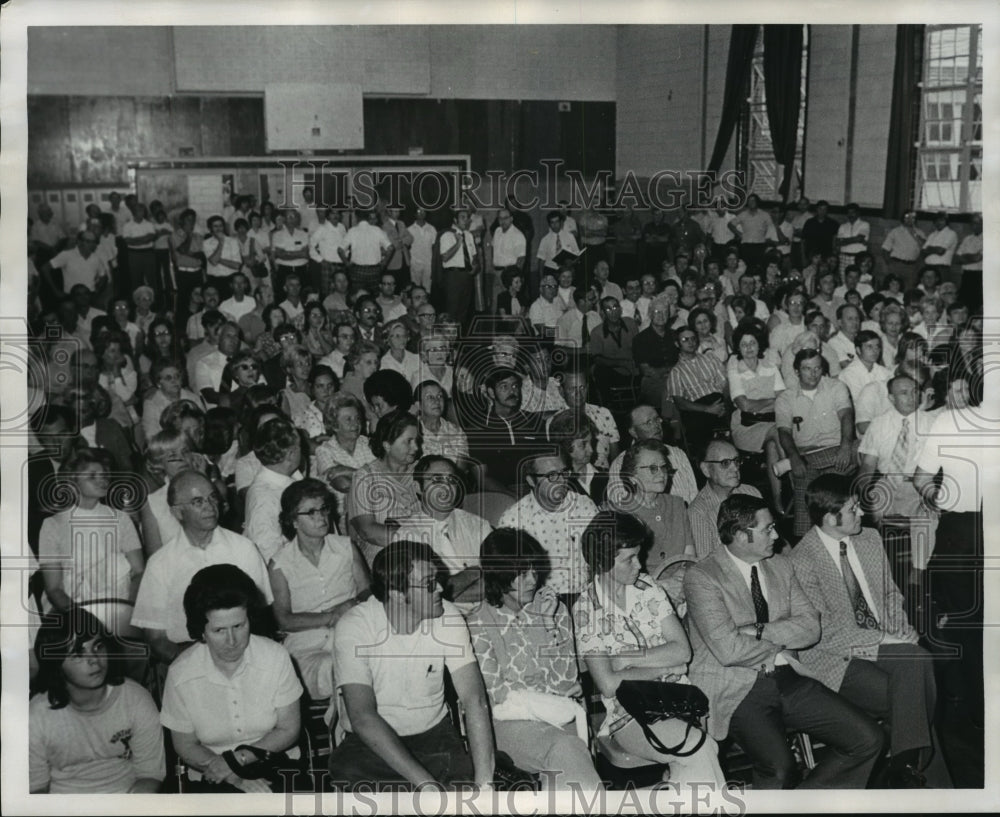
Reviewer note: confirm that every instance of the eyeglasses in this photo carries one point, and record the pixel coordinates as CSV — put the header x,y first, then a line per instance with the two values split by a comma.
x,y
427,315
430,584
248,366
316,513
556,476
728,462
200,502
442,479
768,529
657,468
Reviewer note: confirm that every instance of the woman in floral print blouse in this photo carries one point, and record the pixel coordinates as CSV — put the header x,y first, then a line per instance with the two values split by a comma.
x,y
524,644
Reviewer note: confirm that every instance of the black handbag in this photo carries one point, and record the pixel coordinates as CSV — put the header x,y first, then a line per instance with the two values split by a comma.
x,y
269,766
750,418
508,777
650,702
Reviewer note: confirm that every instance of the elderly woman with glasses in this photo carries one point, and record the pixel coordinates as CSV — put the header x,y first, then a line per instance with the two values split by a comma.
x,y
316,577
645,493
167,376
626,629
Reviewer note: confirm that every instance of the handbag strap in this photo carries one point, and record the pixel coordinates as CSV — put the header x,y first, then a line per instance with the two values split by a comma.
x,y
660,747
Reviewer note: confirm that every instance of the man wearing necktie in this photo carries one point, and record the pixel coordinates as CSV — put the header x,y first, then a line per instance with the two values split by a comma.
x,y
868,650
459,263
748,617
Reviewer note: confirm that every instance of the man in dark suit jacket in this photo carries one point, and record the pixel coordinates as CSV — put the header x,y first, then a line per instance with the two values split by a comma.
x,y
868,651
749,616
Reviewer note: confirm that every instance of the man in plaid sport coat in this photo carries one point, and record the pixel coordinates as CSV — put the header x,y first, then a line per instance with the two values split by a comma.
x,y
869,655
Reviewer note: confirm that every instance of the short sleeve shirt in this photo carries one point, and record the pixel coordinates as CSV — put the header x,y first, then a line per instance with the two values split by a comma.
x,y
405,672
222,712
819,425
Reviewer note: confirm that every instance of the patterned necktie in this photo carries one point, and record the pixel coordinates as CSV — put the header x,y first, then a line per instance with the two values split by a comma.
x,y
759,602
901,451
558,244
863,615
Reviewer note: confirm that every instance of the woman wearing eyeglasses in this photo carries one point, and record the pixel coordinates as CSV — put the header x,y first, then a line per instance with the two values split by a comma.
x,y
645,493
626,629
316,577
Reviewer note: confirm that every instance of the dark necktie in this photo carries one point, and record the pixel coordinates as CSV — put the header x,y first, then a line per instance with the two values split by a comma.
x,y
226,385
759,602
585,333
862,612
465,251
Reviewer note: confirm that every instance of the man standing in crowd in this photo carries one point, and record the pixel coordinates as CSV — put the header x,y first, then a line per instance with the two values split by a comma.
x,y
423,236
460,263
901,250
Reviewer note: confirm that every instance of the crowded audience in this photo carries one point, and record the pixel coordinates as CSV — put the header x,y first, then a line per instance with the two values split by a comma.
x,y
287,450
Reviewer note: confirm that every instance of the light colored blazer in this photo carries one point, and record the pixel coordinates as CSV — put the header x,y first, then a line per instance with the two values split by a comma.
x,y
725,664
823,583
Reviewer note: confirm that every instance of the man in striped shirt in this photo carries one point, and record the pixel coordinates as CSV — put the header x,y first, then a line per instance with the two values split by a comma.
x,y
699,389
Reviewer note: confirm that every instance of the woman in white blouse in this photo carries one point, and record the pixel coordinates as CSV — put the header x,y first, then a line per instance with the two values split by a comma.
x,y
754,384
347,449
398,358
316,577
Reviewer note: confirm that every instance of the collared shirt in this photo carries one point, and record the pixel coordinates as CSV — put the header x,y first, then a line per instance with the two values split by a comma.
x,y
703,514
208,371
408,367
616,346
235,310
135,229
547,247
569,328
448,441
160,602
855,375
745,572
604,628
880,439
456,539
902,244
223,712
79,270
859,231
541,400
545,313
754,228
694,377
947,239
559,533
843,346
449,238
122,217
964,461
404,671
230,252
187,261
263,505
653,349
325,240
833,548
169,527
971,245
508,247
422,249
400,239
819,424
290,242
718,227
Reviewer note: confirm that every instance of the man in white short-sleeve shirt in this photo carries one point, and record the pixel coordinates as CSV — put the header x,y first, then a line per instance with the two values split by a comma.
x,y
390,654
159,606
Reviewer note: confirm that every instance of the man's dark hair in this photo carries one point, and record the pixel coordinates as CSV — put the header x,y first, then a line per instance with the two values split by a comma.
x,y
827,494
392,566
391,386
610,532
737,512
273,440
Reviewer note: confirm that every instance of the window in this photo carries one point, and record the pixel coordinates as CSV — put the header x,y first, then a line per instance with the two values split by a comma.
x,y
763,172
950,146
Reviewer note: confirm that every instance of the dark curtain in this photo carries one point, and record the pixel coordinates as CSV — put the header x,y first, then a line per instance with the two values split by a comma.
x,y
904,120
741,46
783,87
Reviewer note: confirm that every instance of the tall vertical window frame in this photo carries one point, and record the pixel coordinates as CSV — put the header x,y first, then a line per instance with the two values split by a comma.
x,y
950,146
755,151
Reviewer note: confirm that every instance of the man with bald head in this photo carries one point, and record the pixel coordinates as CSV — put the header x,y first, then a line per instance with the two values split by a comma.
x,y
159,607
720,463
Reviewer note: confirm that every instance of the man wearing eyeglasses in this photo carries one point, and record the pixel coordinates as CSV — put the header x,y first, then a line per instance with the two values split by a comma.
x,y
556,517
867,650
389,659
159,605
749,618
454,534
720,464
